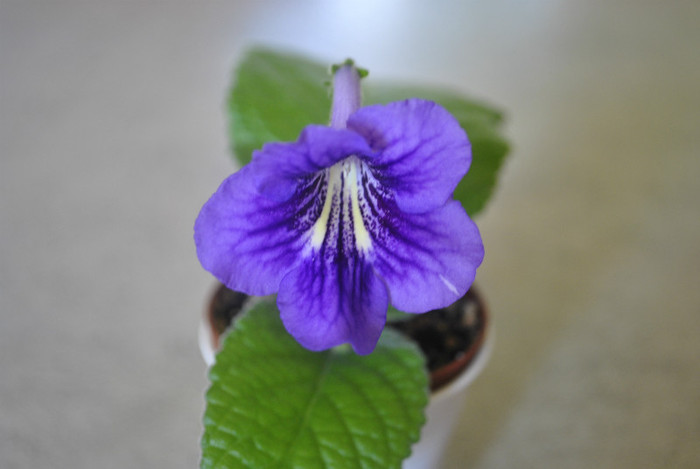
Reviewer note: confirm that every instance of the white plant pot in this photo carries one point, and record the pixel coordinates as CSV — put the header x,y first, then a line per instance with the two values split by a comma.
x,y
444,409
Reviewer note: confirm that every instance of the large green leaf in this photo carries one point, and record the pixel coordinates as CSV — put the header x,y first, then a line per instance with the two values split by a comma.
x,y
276,95
273,403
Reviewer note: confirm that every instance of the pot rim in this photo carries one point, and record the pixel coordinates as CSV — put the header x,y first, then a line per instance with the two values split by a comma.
x,y
471,370
445,375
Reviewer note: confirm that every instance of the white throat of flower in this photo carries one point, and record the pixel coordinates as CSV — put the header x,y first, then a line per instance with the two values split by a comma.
x,y
343,188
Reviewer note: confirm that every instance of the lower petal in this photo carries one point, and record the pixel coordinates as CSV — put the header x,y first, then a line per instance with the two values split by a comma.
x,y
326,302
428,261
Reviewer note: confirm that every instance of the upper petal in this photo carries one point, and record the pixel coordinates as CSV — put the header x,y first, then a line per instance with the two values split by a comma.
x,y
327,301
279,165
422,152
248,241
428,260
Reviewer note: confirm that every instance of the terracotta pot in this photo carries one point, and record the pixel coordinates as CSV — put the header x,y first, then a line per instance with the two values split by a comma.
x,y
448,382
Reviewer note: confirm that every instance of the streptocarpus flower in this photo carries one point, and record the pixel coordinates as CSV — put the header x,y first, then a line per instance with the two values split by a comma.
x,y
347,219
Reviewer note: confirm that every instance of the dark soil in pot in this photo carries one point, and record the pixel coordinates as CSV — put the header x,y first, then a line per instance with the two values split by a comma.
x,y
449,337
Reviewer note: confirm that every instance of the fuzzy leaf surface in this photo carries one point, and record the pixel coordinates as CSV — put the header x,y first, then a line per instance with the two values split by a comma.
x,y
273,403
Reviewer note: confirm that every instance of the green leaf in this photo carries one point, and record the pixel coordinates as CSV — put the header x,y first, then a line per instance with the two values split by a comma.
x,y
273,403
394,314
274,97
481,123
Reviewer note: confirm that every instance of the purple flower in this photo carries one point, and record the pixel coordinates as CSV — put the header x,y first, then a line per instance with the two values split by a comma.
x,y
347,219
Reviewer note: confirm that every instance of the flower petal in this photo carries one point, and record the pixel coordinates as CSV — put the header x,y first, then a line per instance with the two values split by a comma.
x,y
327,302
279,165
423,152
248,241
427,261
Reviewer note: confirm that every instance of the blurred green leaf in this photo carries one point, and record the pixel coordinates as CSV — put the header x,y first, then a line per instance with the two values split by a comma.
x,y
394,314
275,95
481,123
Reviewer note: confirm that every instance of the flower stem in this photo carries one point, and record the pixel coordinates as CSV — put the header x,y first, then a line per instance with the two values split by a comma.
x,y
347,95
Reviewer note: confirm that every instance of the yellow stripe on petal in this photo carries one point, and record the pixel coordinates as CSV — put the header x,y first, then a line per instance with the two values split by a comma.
x,y
341,205
363,242
318,231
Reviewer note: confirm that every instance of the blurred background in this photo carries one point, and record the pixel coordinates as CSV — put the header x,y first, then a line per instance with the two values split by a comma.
x,y
113,135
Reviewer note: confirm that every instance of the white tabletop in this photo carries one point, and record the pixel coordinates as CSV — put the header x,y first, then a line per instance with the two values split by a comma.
x,y
113,135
